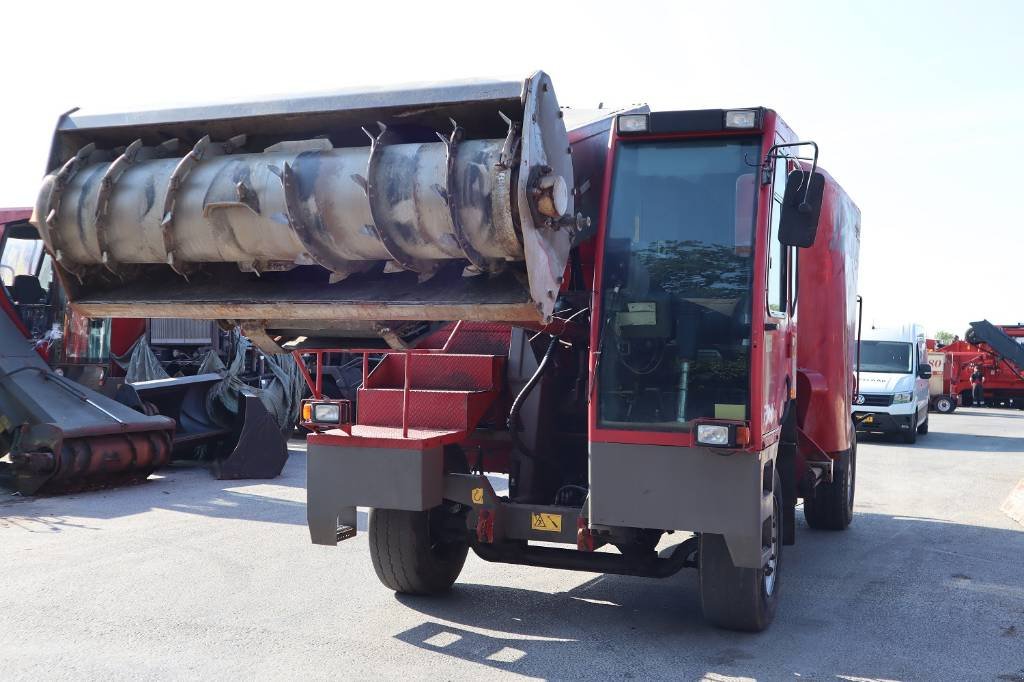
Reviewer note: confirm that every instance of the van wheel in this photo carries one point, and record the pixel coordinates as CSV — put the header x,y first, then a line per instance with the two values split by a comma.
x,y
741,598
910,437
944,404
830,507
923,428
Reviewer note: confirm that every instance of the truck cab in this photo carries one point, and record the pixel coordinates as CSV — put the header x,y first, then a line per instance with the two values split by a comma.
x,y
892,395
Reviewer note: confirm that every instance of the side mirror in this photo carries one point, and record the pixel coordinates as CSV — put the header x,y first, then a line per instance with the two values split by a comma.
x,y
924,371
801,208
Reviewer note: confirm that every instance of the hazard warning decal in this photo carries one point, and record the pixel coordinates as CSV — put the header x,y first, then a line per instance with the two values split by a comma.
x,y
548,522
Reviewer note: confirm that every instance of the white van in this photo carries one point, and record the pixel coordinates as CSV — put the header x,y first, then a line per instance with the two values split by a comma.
x,y
892,389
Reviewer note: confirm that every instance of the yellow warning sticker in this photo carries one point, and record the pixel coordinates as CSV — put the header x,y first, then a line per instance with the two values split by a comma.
x,y
478,495
548,522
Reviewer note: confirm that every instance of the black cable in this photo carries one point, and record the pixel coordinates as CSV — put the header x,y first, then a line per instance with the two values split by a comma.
x,y
513,423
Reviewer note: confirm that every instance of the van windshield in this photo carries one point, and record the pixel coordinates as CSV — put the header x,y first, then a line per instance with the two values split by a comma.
x,y
893,357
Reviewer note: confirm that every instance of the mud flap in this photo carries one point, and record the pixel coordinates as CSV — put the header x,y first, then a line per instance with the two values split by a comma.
x,y
261,450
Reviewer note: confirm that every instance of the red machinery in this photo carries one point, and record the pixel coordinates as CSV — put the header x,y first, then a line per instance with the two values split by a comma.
x,y
605,311
999,352
81,425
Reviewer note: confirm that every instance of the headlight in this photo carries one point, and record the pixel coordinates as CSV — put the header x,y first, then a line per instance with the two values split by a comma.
x,y
905,397
712,434
327,413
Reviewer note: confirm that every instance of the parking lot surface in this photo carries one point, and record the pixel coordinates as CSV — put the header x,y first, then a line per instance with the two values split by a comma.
x,y
189,577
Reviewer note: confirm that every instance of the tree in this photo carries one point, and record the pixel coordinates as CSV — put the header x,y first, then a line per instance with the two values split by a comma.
x,y
945,337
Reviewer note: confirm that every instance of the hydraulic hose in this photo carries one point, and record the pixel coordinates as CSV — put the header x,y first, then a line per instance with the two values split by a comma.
x,y
513,423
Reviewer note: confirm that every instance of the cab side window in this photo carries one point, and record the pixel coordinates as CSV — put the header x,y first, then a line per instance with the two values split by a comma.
x,y
777,275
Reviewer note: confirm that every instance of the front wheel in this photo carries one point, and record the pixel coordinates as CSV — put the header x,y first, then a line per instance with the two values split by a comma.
x,y
741,598
923,428
910,437
830,506
410,553
944,404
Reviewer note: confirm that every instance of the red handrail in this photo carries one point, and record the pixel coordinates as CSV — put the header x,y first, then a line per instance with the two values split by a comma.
x,y
316,384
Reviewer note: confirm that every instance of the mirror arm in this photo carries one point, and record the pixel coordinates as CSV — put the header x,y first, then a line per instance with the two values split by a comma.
x,y
773,153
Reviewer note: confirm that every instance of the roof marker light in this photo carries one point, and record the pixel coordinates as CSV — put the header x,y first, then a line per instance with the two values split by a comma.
x,y
741,118
633,123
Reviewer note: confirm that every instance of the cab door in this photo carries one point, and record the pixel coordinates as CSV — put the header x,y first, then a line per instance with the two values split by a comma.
x,y
779,348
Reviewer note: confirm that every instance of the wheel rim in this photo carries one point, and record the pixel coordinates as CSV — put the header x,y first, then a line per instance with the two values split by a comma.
x,y
772,567
943,405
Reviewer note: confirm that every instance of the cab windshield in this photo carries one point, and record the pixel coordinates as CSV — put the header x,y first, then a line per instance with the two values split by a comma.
x,y
675,336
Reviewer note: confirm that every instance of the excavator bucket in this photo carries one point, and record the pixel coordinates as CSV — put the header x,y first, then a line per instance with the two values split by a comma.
x,y
347,215
58,436
260,451
248,444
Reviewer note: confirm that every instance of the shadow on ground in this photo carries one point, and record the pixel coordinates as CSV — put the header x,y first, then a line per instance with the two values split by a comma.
x,y
945,440
187,488
892,598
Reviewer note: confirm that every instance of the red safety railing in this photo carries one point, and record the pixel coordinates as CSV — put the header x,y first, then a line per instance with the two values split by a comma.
x,y
316,383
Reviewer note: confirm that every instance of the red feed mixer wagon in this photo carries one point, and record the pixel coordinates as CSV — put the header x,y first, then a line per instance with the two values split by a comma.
x,y
603,311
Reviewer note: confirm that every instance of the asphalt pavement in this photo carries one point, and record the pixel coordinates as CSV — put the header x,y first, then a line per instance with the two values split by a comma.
x,y
188,577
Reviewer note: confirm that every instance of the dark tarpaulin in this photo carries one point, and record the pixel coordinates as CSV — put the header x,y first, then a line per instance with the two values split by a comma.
x,y
282,396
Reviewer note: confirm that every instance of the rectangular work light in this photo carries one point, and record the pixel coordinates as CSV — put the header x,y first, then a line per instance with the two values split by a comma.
x,y
741,118
326,413
713,434
723,435
633,123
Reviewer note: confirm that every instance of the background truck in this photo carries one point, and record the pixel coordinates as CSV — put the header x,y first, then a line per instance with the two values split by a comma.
x,y
604,312
893,382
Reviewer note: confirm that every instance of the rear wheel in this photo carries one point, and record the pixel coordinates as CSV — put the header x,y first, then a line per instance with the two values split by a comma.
x,y
944,404
831,505
741,598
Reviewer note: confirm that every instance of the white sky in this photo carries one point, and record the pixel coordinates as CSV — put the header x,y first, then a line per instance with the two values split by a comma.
x,y
914,104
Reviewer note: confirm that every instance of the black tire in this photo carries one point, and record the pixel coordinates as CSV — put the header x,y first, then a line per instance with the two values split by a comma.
x,y
740,598
417,552
944,404
910,437
406,556
923,428
831,505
